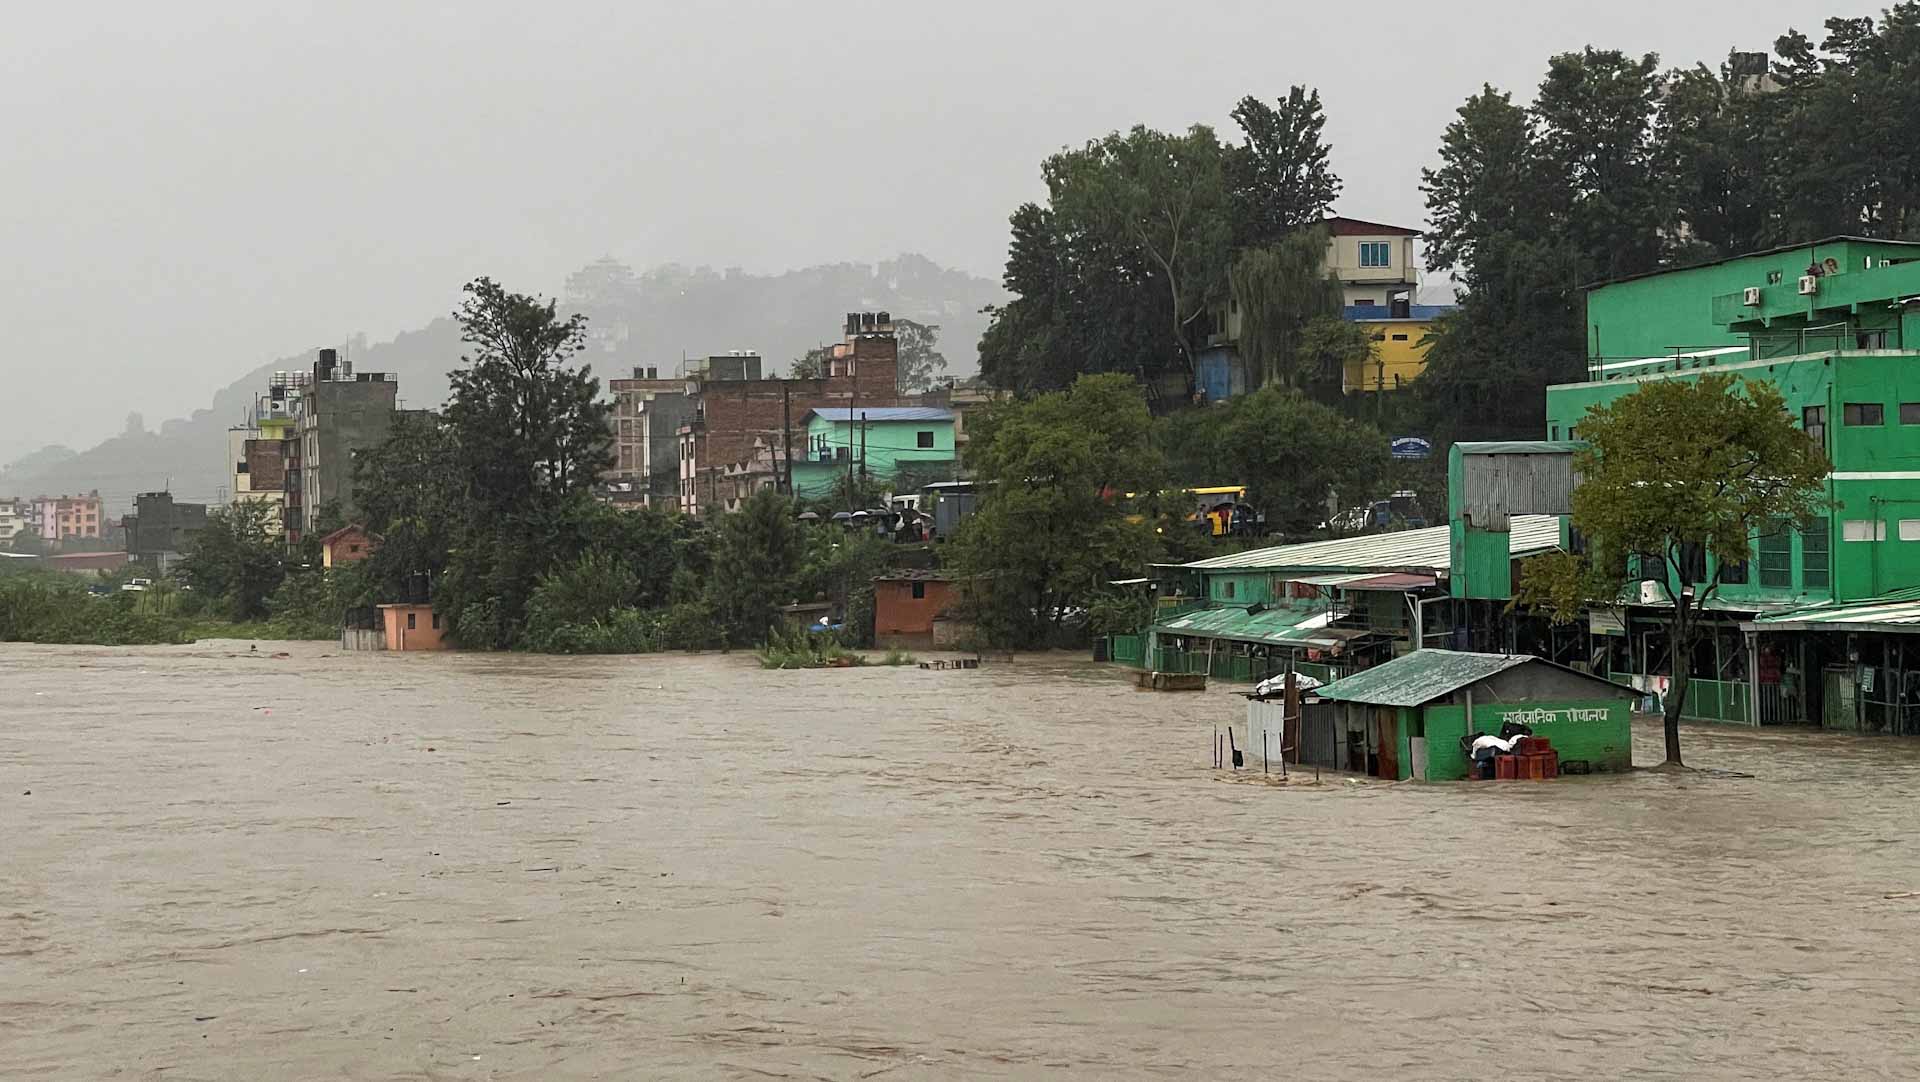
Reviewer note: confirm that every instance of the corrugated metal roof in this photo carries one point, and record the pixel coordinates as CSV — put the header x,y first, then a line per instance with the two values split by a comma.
x,y
1419,677
1290,626
1897,610
846,414
1521,447
1408,550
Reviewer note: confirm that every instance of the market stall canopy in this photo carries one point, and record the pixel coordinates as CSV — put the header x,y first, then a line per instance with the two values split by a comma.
x,y
1426,551
1278,626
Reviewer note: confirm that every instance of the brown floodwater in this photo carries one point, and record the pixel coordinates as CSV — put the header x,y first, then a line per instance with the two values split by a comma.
x,y
489,867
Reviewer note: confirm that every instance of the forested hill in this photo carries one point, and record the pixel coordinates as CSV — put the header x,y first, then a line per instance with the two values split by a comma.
x,y
647,318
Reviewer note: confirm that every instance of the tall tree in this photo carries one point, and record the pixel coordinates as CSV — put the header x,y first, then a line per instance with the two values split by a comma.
x,y
1278,290
1596,114
1160,201
1678,469
407,489
757,552
921,361
1498,214
1280,178
533,438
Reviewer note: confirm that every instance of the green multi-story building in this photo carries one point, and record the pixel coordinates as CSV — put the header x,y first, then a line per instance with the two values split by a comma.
x,y
1835,326
880,442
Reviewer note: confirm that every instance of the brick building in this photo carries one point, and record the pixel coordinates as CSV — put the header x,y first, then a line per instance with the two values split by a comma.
x,y
740,419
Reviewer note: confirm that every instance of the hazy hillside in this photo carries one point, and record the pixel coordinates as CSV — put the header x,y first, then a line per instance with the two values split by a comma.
x,y
652,318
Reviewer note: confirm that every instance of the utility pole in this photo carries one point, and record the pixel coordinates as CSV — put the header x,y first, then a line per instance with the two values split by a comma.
x,y
863,445
786,436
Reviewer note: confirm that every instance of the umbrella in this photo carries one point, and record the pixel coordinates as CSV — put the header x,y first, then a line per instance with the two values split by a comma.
x,y
808,516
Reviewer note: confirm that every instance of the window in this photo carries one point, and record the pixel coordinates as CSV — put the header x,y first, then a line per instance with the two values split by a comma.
x,y
1734,574
436,621
240,467
1364,302
1910,413
1573,432
1862,413
1814,550
923,439
919,591
1776,559
1870,340
1773,278
1399,337
1376,253
410,621
1910,529
1227,590
1814,420
1693,562
1553,432
1863,529
353,549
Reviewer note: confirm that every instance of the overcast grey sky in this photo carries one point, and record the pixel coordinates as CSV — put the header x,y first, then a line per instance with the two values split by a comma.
x,y
192,188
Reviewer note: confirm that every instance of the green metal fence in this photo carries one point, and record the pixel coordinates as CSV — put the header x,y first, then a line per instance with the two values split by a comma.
x,y
1127,650
1717,700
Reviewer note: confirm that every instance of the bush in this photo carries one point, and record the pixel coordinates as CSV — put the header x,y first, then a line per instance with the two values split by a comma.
x,y
787,649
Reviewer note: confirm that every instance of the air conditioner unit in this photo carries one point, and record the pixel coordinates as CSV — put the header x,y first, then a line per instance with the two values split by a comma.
x,y
1750,296
1809,285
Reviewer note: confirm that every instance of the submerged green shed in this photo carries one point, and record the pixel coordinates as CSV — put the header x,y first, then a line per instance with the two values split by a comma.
x,y
1406,718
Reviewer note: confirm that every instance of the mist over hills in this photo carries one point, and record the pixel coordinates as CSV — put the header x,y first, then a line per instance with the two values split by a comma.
x,y
650,318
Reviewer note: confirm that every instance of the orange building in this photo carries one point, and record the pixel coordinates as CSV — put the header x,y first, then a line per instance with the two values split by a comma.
x,y
59,518
905,605
346,545
413,627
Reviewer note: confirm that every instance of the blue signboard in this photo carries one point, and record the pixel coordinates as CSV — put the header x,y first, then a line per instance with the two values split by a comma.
x,y
1411,447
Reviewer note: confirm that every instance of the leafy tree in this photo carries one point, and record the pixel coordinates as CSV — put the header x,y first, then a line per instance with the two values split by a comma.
x,y
921,361
1279,290
757,551
1596,115
1291,452
1279,179
237,559
1160,199
1676,470
408,488
1329,344
532,438
1047,534
810,365
530,427
1496,213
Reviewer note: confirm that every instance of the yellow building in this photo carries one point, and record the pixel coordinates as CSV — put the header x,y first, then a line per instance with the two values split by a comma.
x,y
1398,355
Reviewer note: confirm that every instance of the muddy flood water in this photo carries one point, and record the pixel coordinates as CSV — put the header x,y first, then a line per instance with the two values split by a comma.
x,y
502,867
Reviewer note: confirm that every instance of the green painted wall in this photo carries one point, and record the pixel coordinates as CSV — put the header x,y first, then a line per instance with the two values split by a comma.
x,y
1876,469
1662,313
889,445
1239,587
1606,742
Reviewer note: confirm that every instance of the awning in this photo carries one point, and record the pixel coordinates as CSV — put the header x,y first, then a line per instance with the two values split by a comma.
x,y
1897,612
1365,580
1278,626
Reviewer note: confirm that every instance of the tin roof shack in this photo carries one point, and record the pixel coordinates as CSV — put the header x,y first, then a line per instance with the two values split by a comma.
x,y
1406,718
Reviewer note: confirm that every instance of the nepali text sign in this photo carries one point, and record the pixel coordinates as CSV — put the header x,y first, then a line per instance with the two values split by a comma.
x,y
1411,447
